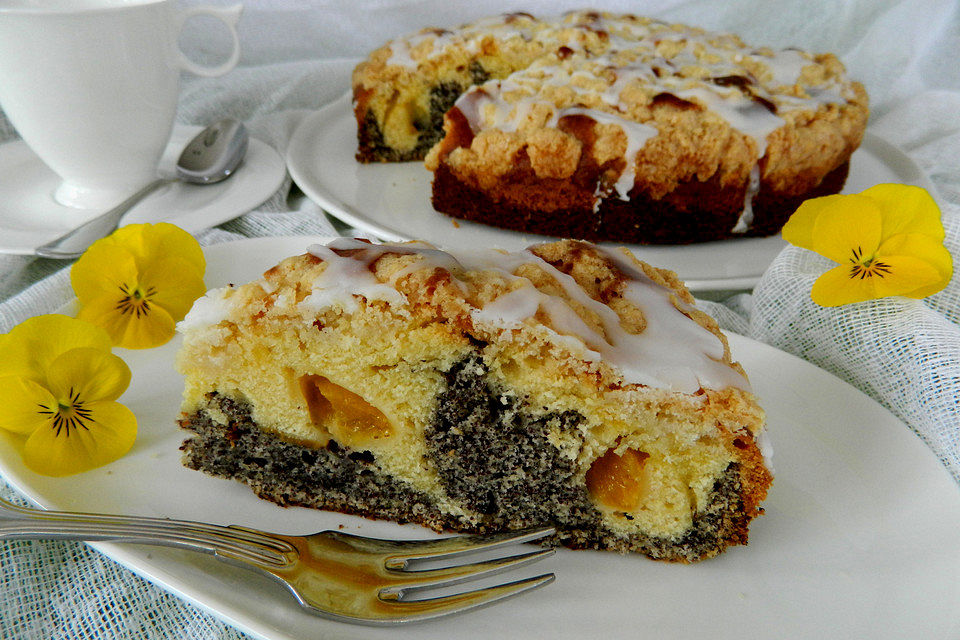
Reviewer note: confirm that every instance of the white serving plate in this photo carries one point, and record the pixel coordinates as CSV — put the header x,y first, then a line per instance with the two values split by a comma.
x,y
859,537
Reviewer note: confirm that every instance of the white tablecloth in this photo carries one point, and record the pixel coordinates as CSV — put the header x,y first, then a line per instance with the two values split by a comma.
x,y
298,55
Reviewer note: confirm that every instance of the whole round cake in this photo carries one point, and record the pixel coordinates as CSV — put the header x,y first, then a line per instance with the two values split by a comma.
x,y
611,127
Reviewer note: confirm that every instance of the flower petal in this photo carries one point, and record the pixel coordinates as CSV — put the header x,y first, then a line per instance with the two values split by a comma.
x,y
130,237
148,242
103,312
103,268
25,405
34,343
904,274
927,249
150,330
921,246
128,330
927,290
170,240
847,230
90,374
835,287
799,228
109,435
906,209
177,285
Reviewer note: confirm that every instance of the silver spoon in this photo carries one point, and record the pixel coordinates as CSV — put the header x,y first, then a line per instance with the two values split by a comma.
x,y
212,156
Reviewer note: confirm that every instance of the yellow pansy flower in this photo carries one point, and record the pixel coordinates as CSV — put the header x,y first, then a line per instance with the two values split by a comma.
x,y
139,282
888,241
58,386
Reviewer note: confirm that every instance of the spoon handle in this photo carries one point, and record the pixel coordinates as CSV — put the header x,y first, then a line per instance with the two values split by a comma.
x,y
73,243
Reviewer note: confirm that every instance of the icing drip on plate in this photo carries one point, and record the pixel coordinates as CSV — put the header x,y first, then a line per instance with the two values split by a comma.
x,y
673,352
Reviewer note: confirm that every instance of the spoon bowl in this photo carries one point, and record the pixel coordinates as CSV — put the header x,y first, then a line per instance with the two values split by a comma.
x,y
212,156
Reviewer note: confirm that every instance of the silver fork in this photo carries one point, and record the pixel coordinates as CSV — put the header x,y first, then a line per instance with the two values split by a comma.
x,y
336,575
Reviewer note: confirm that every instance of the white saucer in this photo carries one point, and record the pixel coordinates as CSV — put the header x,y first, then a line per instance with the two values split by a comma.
x,y
30,217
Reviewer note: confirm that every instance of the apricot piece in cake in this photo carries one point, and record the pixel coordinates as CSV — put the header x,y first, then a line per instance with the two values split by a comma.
x,y
618,480
346,416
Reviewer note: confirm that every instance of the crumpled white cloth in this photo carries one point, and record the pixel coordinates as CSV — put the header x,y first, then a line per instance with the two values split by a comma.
x,y
298,55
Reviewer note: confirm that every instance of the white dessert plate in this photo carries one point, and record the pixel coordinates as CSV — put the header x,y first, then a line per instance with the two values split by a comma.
x,y
392,202
30,217
859,537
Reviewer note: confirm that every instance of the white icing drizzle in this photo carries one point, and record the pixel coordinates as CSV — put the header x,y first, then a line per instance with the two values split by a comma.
x,y
480,106
673,352
673,345
637,134
266,285
484,106
753,188
210,309
342,280
510,309
766,449
786,66
401,48
400,52
501,27
743,114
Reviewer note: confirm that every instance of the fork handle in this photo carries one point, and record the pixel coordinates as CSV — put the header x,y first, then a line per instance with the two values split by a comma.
x,y
247,545
97,532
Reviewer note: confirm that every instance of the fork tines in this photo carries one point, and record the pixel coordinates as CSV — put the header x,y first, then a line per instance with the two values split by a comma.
x,y
427,592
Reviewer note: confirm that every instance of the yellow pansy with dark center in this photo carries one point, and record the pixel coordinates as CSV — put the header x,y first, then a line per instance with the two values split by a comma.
x,y
887,240
58,385
867,268
135,300
67,414
138,282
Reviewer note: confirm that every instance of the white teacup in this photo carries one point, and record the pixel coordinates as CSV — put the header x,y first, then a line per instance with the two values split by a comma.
x,y
92,87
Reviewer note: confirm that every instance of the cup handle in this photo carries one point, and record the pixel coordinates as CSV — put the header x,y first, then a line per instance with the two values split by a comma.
x,y
229,17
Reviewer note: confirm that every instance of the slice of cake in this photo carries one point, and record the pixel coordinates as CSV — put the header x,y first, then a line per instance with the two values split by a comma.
x,y
611,127
565,385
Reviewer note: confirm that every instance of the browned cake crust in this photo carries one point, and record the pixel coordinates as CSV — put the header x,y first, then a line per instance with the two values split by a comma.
x,y
709,211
